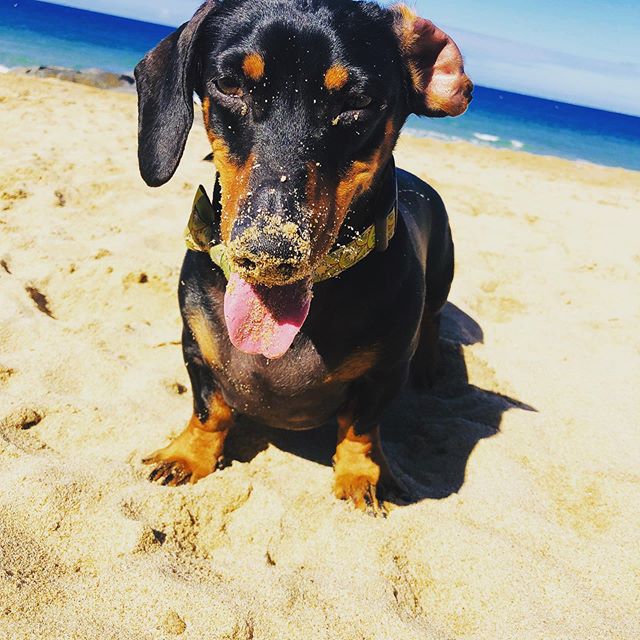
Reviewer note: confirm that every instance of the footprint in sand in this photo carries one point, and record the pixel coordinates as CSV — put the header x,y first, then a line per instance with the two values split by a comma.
x,y
173,624
6,373
22,419
15,430
9,198
498,308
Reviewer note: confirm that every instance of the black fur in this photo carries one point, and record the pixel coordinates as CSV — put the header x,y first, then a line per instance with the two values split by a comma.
x,y
165,80
288,121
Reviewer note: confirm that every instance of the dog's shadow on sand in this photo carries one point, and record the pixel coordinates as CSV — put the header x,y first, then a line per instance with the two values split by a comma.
x,y
427,436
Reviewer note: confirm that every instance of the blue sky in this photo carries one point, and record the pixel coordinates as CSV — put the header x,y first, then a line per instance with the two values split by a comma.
x,y
580,51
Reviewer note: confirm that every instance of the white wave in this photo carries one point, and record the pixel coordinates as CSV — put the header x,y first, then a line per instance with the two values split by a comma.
x,y
428,133
476,138
4,69
486,137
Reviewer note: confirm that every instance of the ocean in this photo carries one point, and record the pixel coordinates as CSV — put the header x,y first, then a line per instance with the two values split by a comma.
x,y
506,120
40,33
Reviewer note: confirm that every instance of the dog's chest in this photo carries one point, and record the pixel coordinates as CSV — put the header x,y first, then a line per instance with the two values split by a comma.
x,y
300,369
295,391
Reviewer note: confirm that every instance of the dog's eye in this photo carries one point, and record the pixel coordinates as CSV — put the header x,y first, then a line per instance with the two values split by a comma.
x,y
359,101
229,87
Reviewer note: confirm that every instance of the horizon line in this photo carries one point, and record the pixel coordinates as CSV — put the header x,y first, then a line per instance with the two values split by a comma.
x,y
548,98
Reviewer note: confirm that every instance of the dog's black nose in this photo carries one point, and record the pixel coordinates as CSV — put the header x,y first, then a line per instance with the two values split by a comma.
x,y
267,246
269,259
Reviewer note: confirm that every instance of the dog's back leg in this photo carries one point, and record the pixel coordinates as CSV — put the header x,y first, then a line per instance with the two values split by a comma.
x,y
425,364
438,277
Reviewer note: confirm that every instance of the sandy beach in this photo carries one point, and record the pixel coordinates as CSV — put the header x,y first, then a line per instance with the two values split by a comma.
x,y
523,461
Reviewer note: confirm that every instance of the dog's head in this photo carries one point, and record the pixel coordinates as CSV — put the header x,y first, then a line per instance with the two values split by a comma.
x,y
303,101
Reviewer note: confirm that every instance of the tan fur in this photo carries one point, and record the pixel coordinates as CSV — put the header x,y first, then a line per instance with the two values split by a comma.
x,y
234,177
253,66
404,25
318,199
331,204
442,81
336,77
362,173
354,366
194,454
203,335
358,465
404,29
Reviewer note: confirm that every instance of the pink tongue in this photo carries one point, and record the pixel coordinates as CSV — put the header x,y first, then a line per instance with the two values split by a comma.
x,y
265,319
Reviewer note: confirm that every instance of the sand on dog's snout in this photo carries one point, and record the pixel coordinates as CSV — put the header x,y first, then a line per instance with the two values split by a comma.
x,y
522,463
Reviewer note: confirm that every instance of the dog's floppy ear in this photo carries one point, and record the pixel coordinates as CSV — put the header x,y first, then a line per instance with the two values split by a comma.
x,y
440,86
165,80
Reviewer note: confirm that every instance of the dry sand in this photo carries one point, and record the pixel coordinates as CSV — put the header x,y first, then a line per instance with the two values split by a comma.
x,y
524,462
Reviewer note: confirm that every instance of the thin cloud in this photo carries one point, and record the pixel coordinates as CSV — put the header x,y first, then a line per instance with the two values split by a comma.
x,y
524,68
476,44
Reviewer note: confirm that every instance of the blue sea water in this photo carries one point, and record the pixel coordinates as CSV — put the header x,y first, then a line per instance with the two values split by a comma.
x,y
506,120
35,33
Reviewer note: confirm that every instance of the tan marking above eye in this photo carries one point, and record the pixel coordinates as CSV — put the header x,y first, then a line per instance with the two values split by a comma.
x,y
253,66
336,77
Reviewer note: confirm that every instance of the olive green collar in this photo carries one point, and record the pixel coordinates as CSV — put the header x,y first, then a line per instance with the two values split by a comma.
x,y
200,236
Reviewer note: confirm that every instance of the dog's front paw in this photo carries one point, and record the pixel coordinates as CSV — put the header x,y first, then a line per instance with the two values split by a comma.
x,y
360,490
361,471
170,474
176,472
191,456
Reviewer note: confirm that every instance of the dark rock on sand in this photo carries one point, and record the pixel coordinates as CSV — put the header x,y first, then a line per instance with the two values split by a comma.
x,y
92,77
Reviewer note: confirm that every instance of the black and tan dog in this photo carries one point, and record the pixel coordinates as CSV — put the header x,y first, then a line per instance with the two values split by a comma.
x,y
297,311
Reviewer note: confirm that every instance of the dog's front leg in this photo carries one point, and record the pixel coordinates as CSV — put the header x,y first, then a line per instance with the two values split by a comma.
x,y
198,450
359,464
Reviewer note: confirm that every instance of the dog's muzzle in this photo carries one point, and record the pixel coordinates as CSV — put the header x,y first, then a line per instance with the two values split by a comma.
x,y
270,250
